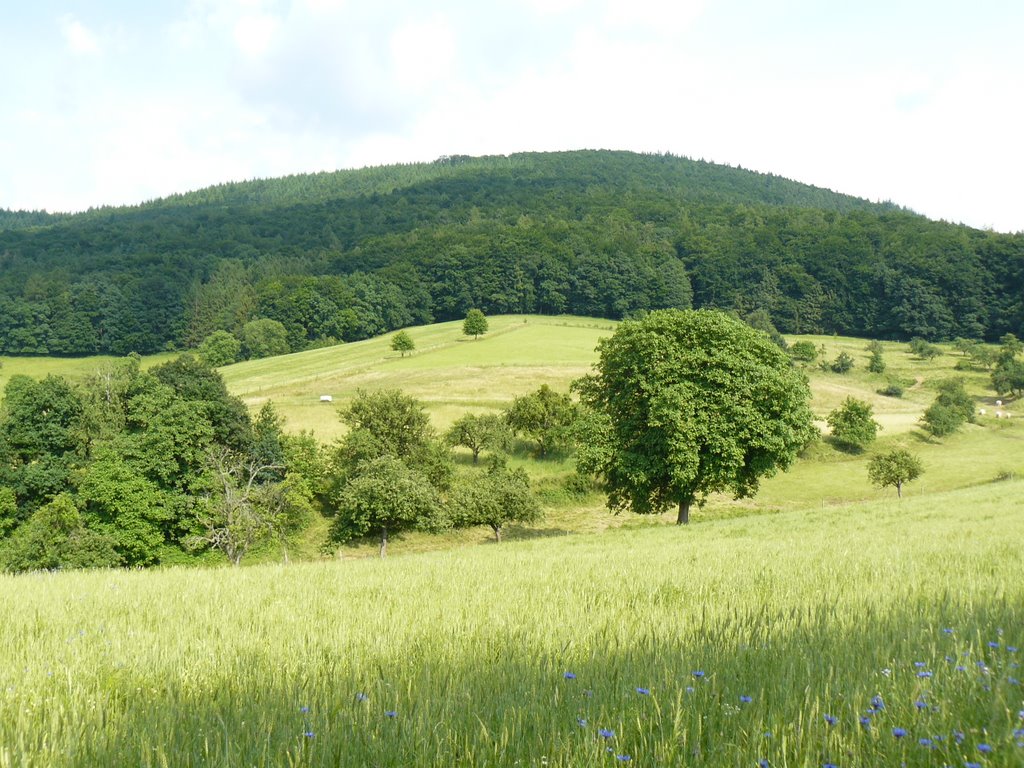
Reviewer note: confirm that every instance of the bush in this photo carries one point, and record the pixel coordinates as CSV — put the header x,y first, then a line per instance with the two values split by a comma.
x,y
892,389
852,424
923,349
804,351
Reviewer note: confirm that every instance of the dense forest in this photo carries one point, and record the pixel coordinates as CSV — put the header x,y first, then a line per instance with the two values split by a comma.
x,y
343,256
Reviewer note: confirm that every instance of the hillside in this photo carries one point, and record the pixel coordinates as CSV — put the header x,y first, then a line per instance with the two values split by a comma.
x,y
352,254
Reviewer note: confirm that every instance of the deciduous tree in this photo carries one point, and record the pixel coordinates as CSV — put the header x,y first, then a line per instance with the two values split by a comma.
x,y
696,403
475,323
852,424
894,468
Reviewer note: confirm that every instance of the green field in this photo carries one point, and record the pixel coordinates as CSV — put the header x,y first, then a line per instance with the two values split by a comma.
x,y
809,614
798,606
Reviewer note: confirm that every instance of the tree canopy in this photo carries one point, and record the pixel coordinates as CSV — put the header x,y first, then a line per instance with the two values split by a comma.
x,y
694,402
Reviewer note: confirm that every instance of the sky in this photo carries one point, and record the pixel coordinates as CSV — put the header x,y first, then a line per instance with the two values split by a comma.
x,y
111,102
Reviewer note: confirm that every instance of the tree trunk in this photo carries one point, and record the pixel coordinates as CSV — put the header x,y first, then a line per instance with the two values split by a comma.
x,y
476,455
497,533
383,542
899,490
683,518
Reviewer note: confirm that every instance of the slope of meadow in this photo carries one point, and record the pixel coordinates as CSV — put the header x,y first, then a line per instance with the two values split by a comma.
x,y
884,633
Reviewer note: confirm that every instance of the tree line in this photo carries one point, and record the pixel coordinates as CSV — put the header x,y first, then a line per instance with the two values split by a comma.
x,y
341,257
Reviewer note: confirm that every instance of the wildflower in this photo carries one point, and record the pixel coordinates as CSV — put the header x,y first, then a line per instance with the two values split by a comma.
x,y
899,733
877,704
746,699
308,734
866,723
391,713
887,672
362,697
925,674
921,704
829,765
985,748
689,689
924,742
958,737
830,720
919,664
972,765
582,722
644,691
569,675
623,758
605,733
767,734
1011,648
961,668
304,710
698,673
1013,681
948,630
993,644
763,763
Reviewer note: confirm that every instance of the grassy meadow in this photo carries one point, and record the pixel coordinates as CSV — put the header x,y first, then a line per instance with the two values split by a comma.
x,y
823,622
884,633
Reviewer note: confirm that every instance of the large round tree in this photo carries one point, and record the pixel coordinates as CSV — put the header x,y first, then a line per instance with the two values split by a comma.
x,y
691,403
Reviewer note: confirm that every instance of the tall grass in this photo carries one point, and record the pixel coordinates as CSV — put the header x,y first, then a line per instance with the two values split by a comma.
x,y
526,653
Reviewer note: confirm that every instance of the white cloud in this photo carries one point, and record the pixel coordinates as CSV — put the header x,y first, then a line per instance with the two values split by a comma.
x,y
79,39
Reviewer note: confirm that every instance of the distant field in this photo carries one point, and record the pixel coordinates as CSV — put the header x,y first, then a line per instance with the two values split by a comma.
x,y
451,373
876,634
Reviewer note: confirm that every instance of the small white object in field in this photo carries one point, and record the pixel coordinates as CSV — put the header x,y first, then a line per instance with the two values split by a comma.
x,y
999,402
982,411
326,399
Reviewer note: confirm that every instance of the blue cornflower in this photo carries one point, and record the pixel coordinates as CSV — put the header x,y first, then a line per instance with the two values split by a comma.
x,y
924,742
1019,733
303,710
919,664
605,733
644,691
623,758
763,763
689,689
877,704
1013,681
308,734
921,704
569,675
959,736
829,765
830,720
362,697
899,733
391,713
866,723
993,644
961,668
582,722
698,673
1011,648
746,699
924,674
984,748
969,764
948,630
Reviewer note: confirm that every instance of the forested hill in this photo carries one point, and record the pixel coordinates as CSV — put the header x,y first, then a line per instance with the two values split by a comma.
x,y
350,254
